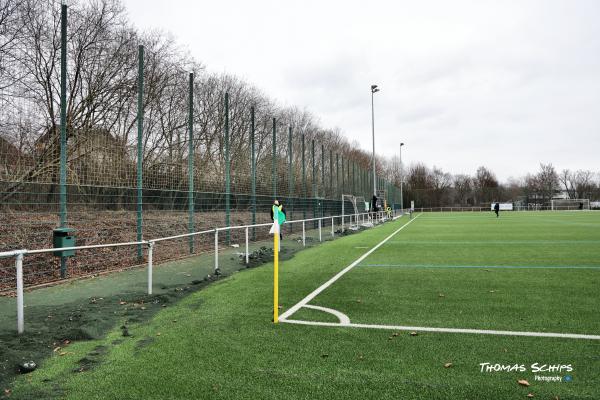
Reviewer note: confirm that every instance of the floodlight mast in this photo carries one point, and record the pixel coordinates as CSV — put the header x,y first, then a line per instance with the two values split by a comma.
x,y
374,90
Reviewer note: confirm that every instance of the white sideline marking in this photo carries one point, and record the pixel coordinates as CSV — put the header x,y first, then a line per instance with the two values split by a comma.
x,y
324,286
447,330
344,320
565,267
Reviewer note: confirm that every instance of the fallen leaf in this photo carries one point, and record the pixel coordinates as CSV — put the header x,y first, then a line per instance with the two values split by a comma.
x,y
448,365
358,300
56,349
122,303
64,353
158,334
530,395
413,334
441,295
142,308
7,392
523,382
395,334
66,341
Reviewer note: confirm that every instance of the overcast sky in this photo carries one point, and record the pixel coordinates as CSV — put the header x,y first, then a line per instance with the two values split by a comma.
x,y
506,84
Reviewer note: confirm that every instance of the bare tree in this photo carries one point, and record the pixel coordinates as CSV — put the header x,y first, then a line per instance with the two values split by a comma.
x,y
486,185
547,182
463,187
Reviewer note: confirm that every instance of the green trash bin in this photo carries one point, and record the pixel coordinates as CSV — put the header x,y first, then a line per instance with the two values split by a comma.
x,y
63,237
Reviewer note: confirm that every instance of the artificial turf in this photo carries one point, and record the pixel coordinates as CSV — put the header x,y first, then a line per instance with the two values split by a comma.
x,y
220,343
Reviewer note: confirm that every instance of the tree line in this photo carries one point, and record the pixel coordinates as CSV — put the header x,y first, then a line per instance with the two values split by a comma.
x,y
432,187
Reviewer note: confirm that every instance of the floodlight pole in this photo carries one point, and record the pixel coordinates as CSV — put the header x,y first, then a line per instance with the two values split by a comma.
x,y
401,180
374,90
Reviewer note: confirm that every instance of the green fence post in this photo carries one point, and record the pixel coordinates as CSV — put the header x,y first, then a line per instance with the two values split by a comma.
x,y
253,168
227,171
331,173
303,177
63,130
274,161
314,182
348,183
290,178
191,160
343,178
353,178
140,152
337,176
322,179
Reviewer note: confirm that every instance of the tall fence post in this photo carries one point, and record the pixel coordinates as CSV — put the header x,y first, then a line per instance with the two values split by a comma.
x,y
20,307
191,205
150,257
274,161
227,170
337,177
290,177
140,153
314,182
343,178
303,178
322,180
253,167
63,130
330,173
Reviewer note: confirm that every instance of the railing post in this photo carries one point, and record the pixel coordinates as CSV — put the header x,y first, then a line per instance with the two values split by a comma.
x,y
20,315
150,252
247,256
216,249
303,233
320,239
332,232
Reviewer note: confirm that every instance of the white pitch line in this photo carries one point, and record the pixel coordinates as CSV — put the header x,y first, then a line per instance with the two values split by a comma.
x,y
324,286
343,318
446,330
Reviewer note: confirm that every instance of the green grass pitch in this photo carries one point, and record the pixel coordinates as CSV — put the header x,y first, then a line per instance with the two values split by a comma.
x,y
532,272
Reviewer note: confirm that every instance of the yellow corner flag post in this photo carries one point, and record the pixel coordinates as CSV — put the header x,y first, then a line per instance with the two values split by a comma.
x,y
276,271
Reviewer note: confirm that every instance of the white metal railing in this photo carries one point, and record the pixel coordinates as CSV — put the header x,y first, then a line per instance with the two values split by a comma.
x,y
19,255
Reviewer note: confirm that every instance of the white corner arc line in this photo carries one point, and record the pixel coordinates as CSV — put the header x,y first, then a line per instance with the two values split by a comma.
x,y
449,330
344,320
324,286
